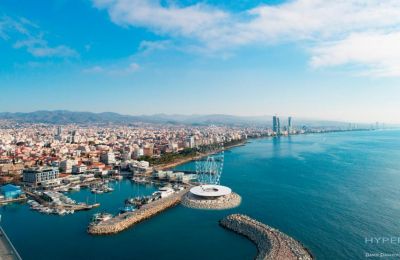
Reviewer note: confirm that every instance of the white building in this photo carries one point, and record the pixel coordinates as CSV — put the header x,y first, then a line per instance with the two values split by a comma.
x,y
78,169
66,165
40,176
108,158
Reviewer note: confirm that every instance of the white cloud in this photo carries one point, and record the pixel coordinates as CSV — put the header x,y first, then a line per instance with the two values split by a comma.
x,y
172,19
322,25
379,52
26,35
113,70
150,46
39,48
94,69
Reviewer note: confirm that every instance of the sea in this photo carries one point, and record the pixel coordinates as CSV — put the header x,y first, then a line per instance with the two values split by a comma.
x,y
336,193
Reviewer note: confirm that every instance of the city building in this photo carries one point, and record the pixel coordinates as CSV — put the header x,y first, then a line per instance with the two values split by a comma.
x,y
66,166
139,167
78,169
276,125
108,158
290,127
39,176
191,142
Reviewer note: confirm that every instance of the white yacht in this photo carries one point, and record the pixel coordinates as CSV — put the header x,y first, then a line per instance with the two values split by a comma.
x,y
164,192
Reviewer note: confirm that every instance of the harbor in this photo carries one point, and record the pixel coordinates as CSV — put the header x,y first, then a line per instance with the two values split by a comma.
x,y
52,202
126,220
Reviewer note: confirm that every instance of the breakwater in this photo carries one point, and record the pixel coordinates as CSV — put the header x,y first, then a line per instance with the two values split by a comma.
x,y
271,243
123,221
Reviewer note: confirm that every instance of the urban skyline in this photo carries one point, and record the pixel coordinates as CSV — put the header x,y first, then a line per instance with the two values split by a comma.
x,y
110,58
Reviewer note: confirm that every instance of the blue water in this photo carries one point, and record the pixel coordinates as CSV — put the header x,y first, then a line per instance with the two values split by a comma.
x,y
329,191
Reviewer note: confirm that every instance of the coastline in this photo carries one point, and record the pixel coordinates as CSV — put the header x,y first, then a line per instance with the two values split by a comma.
x,y
170,165
193,158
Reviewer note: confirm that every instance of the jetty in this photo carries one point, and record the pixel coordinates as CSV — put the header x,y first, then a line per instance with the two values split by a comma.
x,y
271,243
123,221
75,207
19,199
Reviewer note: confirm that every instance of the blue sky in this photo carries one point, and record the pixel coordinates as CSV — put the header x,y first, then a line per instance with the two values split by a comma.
x,y
307,58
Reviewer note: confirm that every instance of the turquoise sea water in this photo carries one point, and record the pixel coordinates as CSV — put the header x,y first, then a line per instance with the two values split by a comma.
x,y
329,191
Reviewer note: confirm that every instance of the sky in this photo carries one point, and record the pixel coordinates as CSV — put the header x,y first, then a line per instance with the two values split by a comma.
x,y
335,60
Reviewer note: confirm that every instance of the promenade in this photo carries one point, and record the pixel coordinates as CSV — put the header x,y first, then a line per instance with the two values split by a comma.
x,y
7,250
181,161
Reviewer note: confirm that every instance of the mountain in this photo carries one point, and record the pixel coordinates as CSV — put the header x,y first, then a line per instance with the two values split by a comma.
x,y
69,117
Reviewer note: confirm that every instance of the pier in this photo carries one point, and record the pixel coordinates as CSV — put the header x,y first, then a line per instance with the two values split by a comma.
x,y
123,221
20,199
75,207
271,243
7,250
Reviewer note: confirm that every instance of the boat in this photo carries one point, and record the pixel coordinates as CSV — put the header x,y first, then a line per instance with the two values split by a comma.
x,y
63,189
139,180
99,217
118,177
127,208
61,212
164,192
75,188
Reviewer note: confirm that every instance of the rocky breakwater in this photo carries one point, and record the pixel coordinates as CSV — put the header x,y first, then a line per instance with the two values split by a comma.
x,y
223,202
126,220
271,243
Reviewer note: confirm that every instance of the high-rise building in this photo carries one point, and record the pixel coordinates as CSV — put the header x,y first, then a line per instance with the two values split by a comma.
x,y
108,158
276,125
59,130
290,127
66,166
190,142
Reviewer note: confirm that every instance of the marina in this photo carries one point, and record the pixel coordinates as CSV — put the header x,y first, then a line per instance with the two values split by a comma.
x,y
51,202
126,220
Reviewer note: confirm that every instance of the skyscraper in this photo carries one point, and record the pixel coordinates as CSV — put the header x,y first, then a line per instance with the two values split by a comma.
x,y
276,126
59,130
290,128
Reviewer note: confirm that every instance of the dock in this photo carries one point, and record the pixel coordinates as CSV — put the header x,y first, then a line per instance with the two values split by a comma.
x,y
123,221
22,198
75,207
7,250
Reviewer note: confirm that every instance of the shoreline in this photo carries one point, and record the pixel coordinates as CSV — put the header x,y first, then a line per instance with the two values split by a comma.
x,y
193,158
168,166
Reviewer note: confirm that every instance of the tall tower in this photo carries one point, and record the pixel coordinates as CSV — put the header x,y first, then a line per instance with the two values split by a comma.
x,y
276,126
59,130
290,128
